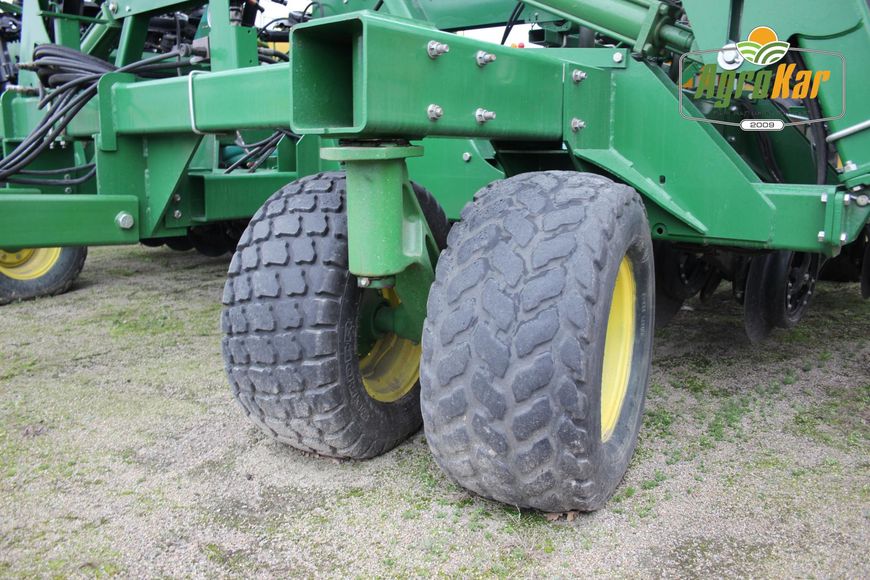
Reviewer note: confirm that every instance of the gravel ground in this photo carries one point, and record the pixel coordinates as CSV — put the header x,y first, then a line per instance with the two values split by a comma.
x,y
122,452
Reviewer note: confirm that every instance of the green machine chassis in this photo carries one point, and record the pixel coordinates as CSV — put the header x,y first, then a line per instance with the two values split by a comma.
x,y
388,92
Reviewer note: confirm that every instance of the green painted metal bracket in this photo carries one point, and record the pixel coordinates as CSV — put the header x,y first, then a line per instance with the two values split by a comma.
x,y
351,59
28,220
389,241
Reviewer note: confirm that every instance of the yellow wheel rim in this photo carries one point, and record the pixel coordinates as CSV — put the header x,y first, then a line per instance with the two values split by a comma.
x,y
392,368
28,264
618,348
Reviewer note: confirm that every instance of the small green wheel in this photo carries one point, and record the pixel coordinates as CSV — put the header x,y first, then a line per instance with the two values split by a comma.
x,y
33,272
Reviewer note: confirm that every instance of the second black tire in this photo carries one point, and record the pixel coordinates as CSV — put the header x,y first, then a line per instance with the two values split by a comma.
x,y
291,326
514,343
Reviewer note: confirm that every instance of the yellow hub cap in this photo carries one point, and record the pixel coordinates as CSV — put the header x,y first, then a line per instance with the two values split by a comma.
x,y
392,367
618,347
28,264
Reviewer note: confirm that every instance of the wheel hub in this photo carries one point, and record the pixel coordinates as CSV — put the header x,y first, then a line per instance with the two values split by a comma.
x,y
618,348
28,263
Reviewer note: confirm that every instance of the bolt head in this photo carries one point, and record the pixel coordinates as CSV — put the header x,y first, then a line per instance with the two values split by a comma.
x,y
482,115
434,112
364,282
577,124
124,220
578,75
466,156
436,49
617,57
113,7
177,214
176,197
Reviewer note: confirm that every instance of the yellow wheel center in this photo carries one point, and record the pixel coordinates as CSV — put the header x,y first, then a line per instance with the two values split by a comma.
x,y
392,368
618,348
28,264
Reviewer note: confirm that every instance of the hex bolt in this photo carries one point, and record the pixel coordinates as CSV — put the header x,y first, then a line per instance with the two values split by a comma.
x,y
617,57
434,112
177,214
364,282
124,220
577,124
821,237
113,7
484,58
436,49
862,200
176,198
482,116
578,75
466,157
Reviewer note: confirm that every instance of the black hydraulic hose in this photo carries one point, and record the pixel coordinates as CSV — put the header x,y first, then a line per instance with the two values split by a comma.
x,y
72,181
56,171
816,129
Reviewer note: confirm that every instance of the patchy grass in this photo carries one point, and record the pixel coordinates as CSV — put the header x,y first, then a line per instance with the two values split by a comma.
x,y
122,453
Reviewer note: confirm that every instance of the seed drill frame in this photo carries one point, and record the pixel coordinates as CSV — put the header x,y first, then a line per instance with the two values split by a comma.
x,y
362,88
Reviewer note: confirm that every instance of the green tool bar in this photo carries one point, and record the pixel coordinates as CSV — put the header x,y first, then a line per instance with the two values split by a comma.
x,y
380,76
163,106
631,21
67,220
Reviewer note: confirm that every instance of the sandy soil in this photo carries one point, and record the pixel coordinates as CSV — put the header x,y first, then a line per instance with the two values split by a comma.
x,y
122,452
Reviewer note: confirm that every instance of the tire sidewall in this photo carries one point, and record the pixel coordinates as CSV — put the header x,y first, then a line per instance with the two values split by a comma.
x,y
613,455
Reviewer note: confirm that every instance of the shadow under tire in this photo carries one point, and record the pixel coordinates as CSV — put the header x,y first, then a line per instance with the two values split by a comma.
x,y
290,323
32,273
521,342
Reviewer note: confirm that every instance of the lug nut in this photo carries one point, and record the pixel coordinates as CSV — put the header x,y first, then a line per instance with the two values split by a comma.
x,y
577,124
434,112
482,116
578,75
436,49
484,58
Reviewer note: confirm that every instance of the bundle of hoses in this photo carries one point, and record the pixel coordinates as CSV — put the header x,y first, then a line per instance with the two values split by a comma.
x,y
68,81
257,153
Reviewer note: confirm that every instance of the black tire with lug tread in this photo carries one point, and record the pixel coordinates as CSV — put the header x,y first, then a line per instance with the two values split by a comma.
x,y
39,272
513,345
290,327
